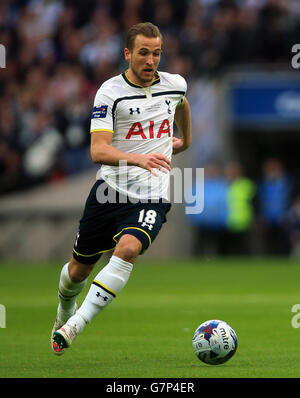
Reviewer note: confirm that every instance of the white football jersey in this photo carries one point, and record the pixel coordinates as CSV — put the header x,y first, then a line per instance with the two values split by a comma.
x,y
141,119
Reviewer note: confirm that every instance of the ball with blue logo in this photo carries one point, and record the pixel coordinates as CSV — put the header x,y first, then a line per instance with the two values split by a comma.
x,y
214,342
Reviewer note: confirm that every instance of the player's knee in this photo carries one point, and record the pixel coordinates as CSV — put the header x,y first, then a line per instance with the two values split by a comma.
x,y
126,253
128,248
78,272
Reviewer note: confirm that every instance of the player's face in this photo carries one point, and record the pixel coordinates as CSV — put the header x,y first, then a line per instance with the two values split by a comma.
x,y
143,59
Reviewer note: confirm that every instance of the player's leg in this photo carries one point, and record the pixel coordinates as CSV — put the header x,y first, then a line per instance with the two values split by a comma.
x,y
107,284
94,237
136,233
110,281
73,278
128,248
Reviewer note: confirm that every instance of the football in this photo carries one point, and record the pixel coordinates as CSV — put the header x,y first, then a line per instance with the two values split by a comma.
x,y
214,342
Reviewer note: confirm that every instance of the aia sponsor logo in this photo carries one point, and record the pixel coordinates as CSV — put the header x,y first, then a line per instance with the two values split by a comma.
x,y
149,133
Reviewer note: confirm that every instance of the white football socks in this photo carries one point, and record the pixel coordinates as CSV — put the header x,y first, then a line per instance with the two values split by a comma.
x,y
68,292
106,285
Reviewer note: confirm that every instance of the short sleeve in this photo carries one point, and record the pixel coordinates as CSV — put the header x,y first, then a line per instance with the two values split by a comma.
x,y
182,86
102,116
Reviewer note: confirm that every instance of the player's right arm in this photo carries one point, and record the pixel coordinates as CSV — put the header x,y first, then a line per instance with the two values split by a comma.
x,y
102,152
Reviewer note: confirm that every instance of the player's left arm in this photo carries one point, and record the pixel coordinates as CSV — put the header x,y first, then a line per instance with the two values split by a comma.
x,y
183,123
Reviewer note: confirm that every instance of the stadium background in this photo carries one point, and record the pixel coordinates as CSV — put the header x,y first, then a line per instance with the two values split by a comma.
x,y
245,97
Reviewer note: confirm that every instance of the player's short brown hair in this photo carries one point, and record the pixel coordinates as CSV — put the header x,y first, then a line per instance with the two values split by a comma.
x,y
143,28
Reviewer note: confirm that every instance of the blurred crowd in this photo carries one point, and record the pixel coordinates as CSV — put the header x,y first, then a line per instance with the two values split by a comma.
x,y
59,52
242,216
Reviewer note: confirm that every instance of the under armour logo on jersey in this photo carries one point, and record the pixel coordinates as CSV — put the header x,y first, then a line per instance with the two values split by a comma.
x,y
137,110
168,102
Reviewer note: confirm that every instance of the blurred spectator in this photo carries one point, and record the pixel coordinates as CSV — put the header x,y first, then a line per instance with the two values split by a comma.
x,y
105,45
292,225
210,225
274,199
241,214
224,227
10,154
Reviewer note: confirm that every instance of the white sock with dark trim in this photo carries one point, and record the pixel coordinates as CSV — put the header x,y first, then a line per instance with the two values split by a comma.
x,y
68,292
106,285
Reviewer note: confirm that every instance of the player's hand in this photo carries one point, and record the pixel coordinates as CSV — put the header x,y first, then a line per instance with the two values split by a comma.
x,y
152,161
178,145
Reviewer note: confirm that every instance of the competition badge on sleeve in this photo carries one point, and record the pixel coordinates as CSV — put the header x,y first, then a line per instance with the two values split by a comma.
x,y
99,111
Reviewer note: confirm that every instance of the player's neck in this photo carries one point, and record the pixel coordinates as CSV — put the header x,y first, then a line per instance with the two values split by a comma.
x,y
134,79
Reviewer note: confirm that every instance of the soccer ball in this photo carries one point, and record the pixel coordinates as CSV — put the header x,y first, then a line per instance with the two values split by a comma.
x,y
214,342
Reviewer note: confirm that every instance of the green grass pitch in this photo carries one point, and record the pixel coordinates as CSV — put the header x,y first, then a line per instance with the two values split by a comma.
x,y
147,331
